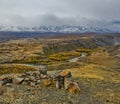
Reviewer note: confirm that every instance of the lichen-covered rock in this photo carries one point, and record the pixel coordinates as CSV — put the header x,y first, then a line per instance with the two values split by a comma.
x,y
65,73
72,86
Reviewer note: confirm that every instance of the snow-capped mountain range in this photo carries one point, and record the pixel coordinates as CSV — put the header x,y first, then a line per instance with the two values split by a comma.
x,y
58,29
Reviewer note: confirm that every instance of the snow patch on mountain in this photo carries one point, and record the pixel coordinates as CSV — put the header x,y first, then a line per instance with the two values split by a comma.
x,y
59,29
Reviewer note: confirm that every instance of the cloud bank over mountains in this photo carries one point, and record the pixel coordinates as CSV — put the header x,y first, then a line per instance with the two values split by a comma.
x,y
59,12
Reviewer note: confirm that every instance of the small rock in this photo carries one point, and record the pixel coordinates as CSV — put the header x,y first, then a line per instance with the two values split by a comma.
x,y
44,102
28,89
1,83
44,76
22,75
7,80
46,82
17,80
37,77
38,82
72,87
70,102
67,82
26,79
65,73
57,85
68,75
43,70
31,78
9,84
3,91
59,82
32,84
58,71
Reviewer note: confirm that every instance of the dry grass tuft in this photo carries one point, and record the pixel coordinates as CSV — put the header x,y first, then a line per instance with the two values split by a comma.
x,y
14,68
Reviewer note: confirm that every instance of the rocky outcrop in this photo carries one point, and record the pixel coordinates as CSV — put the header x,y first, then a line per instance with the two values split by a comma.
x,y
64,80
35,78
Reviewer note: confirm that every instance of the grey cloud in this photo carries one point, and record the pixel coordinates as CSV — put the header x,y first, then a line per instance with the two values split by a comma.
x,y
43,19
58,12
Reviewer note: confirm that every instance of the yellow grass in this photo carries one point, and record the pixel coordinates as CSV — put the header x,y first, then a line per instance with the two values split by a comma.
x,y
14,68
91,71
102,58
63,56
108,94
84,50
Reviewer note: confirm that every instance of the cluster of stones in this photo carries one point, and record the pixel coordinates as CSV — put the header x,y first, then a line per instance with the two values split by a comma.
x,y
60,80
64,80
28,78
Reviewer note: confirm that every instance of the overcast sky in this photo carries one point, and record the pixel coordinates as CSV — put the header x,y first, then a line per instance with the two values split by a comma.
x,y
58,12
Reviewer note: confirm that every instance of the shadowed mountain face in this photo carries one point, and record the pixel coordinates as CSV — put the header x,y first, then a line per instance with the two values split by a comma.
x,y
76,41
59,29
5,36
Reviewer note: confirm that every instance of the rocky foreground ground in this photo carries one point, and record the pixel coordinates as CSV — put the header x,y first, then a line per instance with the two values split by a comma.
x,y
35,88
32,88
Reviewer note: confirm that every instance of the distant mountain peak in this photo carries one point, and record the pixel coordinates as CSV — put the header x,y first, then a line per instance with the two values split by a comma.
x,y
58,29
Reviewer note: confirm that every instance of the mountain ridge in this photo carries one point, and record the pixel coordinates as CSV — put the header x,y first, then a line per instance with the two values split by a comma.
x,y
58,29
